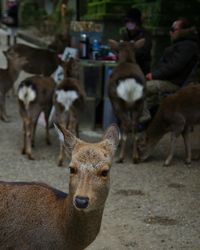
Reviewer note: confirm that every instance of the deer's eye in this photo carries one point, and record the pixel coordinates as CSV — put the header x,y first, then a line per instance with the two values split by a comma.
x,y
73,170
104,173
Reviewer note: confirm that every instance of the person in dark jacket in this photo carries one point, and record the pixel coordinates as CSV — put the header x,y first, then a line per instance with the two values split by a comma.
x,y
134,30
176,68
12,21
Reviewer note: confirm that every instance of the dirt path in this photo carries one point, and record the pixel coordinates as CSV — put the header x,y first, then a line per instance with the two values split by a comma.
x,y
149,206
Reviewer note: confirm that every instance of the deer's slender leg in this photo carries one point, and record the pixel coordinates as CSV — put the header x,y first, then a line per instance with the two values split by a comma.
x,y
3,115
34,118
122,147
24,137
135,120
186,138
46,116
171,150
73,122
29,130
125,126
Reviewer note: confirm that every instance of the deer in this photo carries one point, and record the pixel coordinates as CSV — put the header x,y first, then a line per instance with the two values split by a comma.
x,y
35,95
37,216
177,114
8,76
40,61
69,100
126,90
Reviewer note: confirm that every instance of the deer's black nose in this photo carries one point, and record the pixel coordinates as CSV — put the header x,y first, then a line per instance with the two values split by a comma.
x,y
81,202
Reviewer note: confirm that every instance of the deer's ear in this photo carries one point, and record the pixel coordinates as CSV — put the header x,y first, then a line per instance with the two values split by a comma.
x,y
66,137
114,45
139,43
5,52
111,138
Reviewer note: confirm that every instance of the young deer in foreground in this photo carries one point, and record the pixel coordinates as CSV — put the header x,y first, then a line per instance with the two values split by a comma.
x,y
69,99
37,216
8,77
127,91
177,114
35,95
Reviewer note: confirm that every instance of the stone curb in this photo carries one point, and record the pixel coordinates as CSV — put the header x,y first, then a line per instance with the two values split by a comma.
x,y
31,39
27,38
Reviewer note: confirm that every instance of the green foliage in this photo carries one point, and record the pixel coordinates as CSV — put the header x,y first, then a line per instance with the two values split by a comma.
x,y
161,13
57,13
30,13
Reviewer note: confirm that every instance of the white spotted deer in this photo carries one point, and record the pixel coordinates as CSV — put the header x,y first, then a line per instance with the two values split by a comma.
x,y
69,101
35,95
126,90
37,216
8,77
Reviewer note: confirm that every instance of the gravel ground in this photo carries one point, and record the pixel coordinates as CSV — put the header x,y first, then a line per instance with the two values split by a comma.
x,y
149,206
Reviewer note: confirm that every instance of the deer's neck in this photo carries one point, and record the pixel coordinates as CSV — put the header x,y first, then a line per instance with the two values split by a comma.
x,y
82,227
156,129
13,73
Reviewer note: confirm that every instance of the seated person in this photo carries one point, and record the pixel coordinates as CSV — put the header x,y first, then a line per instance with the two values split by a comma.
x,y
134,30
176,67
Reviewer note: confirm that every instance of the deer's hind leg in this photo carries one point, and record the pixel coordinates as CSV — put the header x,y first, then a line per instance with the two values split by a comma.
x,y
47,112
177,128
29,134
187,142
3,115
126,129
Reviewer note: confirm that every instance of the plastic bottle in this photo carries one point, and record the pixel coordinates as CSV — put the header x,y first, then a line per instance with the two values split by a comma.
x,y
95,49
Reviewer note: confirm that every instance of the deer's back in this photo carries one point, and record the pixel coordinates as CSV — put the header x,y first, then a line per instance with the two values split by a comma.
x,y
185,102
43,86
72,84
39,61
30,212
127,70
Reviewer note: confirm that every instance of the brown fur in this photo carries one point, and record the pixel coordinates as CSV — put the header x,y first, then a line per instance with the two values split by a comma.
x,y
177,113
127,113
69,118
44,88
36,216
39,61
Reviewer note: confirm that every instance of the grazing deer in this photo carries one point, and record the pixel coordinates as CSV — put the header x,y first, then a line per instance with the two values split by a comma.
x,y
177,114
8,77
127,91
37,216
35,95
69,99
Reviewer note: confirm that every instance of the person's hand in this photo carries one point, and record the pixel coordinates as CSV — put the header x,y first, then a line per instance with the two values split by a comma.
x,y
149,76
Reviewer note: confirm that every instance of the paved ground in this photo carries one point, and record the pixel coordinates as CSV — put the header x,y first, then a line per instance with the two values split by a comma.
x,y
149,206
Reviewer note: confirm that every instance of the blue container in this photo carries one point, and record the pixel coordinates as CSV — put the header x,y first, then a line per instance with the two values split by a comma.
x,y
108,115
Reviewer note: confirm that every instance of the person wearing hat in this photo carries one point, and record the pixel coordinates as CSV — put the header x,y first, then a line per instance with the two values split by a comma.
x,y
177,67
133,30
11,21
